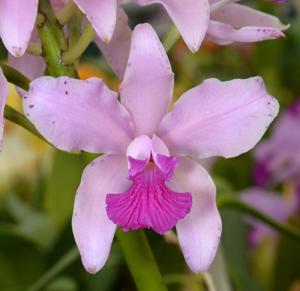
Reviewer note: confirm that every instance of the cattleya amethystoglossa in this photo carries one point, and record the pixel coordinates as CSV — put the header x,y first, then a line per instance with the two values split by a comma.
x,y
149,175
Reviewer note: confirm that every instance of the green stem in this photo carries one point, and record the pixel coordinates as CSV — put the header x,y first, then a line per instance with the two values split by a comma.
x,y
81,45
140,260
171,38
18,118
74,27
66,13
137,253
34,49
219,272
55,67
15,77
53,42
207,277
40,19
231,202
63,263
47,11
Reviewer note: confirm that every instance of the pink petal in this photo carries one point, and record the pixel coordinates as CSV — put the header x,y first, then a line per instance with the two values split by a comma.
x,y
280,153
29,65
74,114
239,15
224,34
238,23
146,90
279,160
102,15
116,52
199,232
219,118
17,20
261,174
3,97
190,16
286,128
273,205
92,229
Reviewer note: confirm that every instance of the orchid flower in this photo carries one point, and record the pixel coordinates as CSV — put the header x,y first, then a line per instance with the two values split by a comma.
x,y
148,176
190,16
278,158
234,22
277,162
272,204
17,19
223,22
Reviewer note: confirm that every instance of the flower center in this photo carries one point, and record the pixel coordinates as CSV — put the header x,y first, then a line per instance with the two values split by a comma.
x,y
149,203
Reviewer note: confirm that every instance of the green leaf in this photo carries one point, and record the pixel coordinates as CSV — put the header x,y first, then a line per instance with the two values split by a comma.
x,y
219,272
61,187
63,283
287,269
234,242
20,263
235,171
30,224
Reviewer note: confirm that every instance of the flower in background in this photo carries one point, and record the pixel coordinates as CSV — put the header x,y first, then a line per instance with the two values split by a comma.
x,y
190,16
148,177
221,22
232,22
109,22
278,158
224,22
277,163
272,204
114,34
